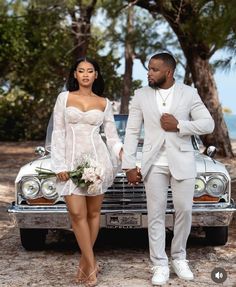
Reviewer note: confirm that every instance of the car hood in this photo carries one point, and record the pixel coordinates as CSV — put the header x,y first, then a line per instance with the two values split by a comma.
x,y
207,164
29,168
203,162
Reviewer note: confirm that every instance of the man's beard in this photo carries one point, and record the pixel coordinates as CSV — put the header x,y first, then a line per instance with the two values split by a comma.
x,y
158,83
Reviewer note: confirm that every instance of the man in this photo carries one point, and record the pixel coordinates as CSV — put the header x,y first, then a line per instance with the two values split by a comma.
x,y
171,112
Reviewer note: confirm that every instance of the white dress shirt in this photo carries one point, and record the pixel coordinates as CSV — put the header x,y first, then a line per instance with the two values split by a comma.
x,y
164,99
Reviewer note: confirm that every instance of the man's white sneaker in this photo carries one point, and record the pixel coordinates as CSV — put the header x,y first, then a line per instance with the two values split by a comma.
x,y
182,269
161,275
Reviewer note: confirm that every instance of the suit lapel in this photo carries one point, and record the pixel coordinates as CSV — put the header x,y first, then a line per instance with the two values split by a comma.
x,y
152,103
178,93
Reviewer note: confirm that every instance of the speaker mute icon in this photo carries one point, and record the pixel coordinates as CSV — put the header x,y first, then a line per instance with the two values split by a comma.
x,y
218,275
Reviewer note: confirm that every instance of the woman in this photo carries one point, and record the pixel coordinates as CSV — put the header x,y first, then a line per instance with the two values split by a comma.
x,y
78,116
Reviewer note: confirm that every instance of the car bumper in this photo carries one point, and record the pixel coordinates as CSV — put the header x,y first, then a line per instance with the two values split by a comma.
x,y
56,217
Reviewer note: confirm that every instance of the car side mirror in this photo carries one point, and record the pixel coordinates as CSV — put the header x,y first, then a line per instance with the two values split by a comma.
x,y
211,151
40,150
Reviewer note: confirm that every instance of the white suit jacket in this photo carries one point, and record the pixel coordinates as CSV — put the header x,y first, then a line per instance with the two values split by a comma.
x,y
193,117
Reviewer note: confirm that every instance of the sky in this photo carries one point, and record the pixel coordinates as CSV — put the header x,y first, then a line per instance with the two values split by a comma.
x,y
225,82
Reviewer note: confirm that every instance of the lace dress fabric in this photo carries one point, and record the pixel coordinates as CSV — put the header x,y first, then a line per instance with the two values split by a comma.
x,y
75,134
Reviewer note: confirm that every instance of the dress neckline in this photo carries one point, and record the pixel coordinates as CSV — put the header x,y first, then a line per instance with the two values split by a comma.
x,y
79,110
87,110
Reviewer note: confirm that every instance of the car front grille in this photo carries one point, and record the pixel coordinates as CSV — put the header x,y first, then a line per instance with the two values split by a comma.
x,y
123,197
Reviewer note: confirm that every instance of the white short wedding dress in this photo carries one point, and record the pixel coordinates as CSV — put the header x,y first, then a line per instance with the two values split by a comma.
x,y
76,134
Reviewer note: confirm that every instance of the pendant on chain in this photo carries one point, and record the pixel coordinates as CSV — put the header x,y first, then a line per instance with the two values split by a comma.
x,y
163,104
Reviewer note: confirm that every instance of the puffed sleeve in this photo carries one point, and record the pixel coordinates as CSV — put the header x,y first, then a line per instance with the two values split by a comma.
x,y
58,163
113,142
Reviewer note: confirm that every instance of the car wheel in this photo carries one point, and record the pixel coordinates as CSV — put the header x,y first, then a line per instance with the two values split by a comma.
x,y
33,239
217,235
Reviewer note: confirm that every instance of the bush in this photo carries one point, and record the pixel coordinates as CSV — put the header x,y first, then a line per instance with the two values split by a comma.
x,y
22,117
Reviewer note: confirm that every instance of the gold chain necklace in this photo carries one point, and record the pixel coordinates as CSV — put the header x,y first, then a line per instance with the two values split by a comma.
x,y
164,99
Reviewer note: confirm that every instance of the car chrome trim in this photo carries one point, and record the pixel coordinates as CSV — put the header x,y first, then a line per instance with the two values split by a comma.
x,y
56,217
52,209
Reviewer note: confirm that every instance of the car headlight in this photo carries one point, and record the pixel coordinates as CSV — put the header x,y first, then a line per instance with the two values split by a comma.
x,y
216,186
48,188
30,187
199,187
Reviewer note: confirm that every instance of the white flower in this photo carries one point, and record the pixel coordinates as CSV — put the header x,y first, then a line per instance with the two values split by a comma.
x,y
94,176
89,175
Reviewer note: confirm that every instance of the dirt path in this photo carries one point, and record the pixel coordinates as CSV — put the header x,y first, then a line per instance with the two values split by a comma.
x,y
123,255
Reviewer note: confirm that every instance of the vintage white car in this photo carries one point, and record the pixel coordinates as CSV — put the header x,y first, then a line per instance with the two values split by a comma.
x,y
38,208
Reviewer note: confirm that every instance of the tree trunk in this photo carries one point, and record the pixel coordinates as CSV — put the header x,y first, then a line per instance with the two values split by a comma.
x,y
129,55
204,82
81,28
197,57
188,80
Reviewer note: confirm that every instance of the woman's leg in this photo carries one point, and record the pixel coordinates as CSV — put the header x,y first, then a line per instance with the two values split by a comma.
x,y
93,216
77,208
94,204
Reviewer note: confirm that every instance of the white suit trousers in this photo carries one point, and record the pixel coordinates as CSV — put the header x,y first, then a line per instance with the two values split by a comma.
x,y
156,185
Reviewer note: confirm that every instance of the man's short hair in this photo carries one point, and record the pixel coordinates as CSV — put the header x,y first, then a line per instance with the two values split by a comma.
x,y
167,58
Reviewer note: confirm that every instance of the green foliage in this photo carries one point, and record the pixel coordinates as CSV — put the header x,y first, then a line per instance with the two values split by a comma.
x,y
150,35
37,45
213,23
33,68
17,119
36,53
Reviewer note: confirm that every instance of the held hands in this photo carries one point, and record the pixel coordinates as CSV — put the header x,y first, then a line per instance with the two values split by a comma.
x,y
134,175
169,123
63,176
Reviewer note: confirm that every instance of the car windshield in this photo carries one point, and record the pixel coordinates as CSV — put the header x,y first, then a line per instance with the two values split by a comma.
x,y
121,122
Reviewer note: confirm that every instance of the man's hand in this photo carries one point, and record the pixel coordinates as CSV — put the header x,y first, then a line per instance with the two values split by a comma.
x,y
63,176
134,175
169,123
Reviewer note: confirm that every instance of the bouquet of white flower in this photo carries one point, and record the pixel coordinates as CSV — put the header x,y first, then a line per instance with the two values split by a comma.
x,y
89,174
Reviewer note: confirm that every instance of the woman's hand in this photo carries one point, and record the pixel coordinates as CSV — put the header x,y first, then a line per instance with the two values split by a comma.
x,y
63,176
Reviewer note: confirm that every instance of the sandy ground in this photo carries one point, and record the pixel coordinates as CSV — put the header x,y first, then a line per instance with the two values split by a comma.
x,y
123,255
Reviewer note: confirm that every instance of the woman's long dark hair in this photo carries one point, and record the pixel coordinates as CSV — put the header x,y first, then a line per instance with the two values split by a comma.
x,y
72,83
